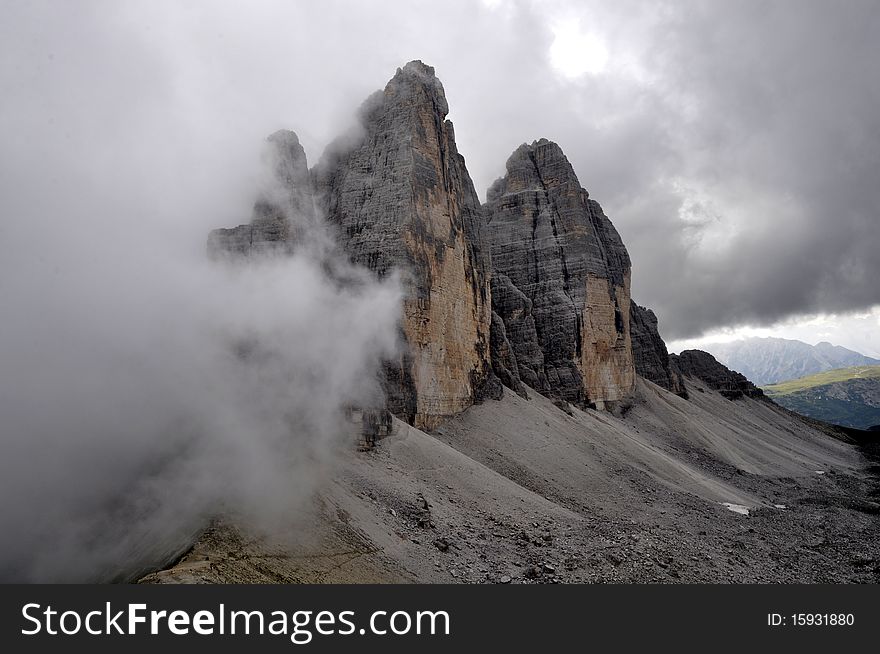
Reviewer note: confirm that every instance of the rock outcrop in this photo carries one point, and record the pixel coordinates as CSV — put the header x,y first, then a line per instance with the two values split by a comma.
x,y
650,356
519,326
703,366
530,289
562,280
503,359
401,197
283,212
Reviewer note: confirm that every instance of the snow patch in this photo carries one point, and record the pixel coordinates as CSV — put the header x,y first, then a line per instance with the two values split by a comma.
x,y
736,508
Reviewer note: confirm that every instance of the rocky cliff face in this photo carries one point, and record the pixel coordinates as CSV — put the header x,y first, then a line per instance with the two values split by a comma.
x,y
703,366
402,199
504,363
562,280
282,213
650,356
533,288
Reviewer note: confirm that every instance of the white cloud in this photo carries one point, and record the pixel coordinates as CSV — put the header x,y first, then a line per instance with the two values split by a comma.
x,y
576,52
858,331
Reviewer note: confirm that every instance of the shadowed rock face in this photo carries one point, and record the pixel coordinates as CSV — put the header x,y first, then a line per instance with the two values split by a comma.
x,y
504,362
703,366
283,212
650,356
402,199
519,324
562,282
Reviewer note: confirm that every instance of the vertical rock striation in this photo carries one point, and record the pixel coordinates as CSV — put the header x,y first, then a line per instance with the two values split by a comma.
x,y
519,325
504,363
402,199
532,288
650,356
561,280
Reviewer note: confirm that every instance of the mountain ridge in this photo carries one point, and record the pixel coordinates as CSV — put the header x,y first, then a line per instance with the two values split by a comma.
x,y
539,256
530,289
849,397
769,360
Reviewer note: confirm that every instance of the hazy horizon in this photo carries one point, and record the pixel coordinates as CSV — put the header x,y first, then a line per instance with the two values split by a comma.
x,y
859,332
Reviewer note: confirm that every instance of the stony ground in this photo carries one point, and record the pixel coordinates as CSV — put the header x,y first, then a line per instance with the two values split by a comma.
x,y
521,491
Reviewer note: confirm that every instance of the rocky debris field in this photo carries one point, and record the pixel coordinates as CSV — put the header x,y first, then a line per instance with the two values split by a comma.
x,y
520,492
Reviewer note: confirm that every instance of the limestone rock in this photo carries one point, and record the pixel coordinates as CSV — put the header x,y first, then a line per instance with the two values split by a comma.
x,y
283,214
401,198
564,280
519,326
650,356
503,359
703,366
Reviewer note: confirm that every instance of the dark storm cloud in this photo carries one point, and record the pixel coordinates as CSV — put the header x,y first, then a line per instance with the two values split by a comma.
x,y
127,419
734,145
785,137
738,157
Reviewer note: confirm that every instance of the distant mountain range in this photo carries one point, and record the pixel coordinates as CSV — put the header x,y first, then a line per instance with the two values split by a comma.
x,y
848,396
770,360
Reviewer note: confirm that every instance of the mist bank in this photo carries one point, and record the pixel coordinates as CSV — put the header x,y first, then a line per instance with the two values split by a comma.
x,y
146,388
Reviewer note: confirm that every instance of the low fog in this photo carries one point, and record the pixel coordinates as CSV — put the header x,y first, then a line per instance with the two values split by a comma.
x,y
145,388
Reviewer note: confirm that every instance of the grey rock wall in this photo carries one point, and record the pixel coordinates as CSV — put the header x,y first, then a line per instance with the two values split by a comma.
x,y
401,199
703,366
563,279
650,356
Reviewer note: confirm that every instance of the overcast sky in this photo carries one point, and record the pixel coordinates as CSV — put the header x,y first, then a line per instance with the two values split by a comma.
x,y
735,145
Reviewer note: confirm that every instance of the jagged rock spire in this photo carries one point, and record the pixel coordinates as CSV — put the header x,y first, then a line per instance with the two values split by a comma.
x,y
563,279
541,254
402,199
283,212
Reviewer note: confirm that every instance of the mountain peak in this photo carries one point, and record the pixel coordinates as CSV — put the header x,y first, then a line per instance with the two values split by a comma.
x,y
285,137
563,279
403,200
416,84
541,152
771,360
417,67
